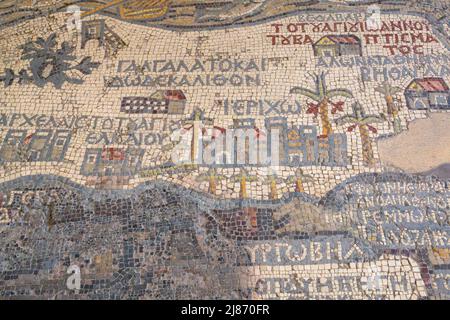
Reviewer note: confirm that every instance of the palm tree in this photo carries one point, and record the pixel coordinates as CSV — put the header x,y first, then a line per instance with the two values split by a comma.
x,y
272,179
323,97
243,177
212,177
299,178
362,121
389,92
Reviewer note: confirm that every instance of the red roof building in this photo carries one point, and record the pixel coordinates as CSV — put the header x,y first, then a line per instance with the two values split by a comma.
x,y
344,39
176,95
159,102
427,93
338,45
429,85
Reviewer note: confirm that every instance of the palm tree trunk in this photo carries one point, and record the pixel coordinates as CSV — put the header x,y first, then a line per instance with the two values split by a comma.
x,y
393,112
273,189
212,185
299,185
390,104
366,145
326,124
243,191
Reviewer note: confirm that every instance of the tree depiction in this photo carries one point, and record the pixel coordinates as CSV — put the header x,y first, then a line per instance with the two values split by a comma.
x,y
272,179
299,178
389,92
363,122
48,64
323,97
212,178
243,177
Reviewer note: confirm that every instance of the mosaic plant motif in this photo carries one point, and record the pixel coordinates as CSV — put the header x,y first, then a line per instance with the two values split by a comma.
x,y
322,98
224,150
49,64
359,120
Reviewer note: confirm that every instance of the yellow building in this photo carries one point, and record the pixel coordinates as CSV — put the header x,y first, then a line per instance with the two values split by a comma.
x,y
338,45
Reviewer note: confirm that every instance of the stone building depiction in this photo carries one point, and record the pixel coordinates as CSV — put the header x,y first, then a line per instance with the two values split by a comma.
x,y
93,30
338,45
99,31
275,143
41,145
159,102
305,148
111,165
428,93
223,150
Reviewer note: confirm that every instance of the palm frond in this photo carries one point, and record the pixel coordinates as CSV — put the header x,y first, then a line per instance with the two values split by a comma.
x,y
347,119
395,90
339,93
202,178
371,119
306,92
388,90
220,177
382,89
322,84
307,177
51,41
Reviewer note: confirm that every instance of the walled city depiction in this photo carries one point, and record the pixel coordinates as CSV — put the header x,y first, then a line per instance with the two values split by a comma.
x,y
244,150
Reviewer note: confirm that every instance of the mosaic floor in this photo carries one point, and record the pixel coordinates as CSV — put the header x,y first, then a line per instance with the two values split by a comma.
x,y
228,149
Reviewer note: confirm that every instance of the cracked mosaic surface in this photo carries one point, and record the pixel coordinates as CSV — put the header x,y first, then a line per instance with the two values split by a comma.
x,y
224,149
